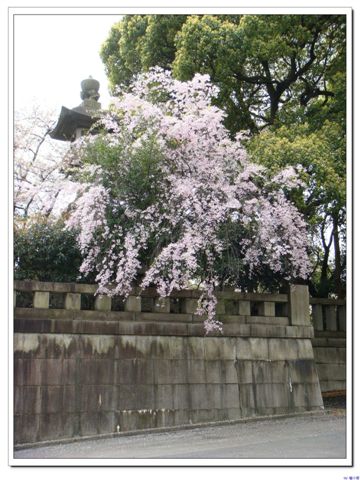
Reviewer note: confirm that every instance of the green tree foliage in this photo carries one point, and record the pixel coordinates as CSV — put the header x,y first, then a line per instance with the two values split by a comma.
x,y
45,251
265,65
139,42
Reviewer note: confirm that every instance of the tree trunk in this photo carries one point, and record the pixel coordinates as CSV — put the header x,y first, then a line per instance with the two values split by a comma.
x,y
337,252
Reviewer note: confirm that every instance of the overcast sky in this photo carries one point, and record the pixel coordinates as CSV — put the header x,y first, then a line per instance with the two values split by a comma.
x,y
53,53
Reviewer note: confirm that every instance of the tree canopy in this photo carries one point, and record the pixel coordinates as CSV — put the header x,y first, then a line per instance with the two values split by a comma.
x,y
264,65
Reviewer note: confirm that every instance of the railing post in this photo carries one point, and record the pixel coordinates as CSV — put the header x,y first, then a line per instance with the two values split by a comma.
x,y
317,314
73,301
102,302
133,304
342,318
299,305
41,299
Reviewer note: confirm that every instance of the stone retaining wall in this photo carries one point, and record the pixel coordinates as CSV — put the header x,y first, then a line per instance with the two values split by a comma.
x,y
98,366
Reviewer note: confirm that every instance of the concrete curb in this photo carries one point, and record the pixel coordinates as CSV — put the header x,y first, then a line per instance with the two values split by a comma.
x,y
130,433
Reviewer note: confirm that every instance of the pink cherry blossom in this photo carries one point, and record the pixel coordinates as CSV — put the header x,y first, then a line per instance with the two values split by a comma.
x,y
205,182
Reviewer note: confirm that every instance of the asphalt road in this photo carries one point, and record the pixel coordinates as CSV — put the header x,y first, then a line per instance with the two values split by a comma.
x,y
311,436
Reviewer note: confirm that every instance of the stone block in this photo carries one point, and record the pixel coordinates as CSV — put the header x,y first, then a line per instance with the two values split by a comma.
x,y
262,371
56,426
305,349
299,305
26,345
195,347
107,422
299,331
170,371
214,372
332,385
232,319
147,346
164,418
87,371
31,402
219,348
134,371
317,316
259,348
167,347
268,331
330,355
182,417
268,309
244,371
307,395
52,399
198,397
91,398
103,303
247,398
105,371
89,423
164,396
73,301
145,397
41,299
202,415
244,307
196,372
133,304
18,400
303,370
332,371
330,318
237,329
267,320
283,349
182,396
127,399
278,371
337,342
70,399
26,429
230,395
270,395
228,373
216,394
243,349
233,414
31,371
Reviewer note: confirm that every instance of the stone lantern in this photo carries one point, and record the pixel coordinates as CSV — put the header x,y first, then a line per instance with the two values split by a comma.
x,y
73,123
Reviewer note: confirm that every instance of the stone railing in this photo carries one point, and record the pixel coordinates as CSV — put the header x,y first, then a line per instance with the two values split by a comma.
x,y
329,343
328,315
243,314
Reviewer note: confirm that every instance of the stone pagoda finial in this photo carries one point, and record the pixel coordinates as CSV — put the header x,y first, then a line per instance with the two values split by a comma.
x,y
90,89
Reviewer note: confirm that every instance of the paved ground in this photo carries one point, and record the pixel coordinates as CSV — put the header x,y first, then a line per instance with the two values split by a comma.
x,y
315,436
